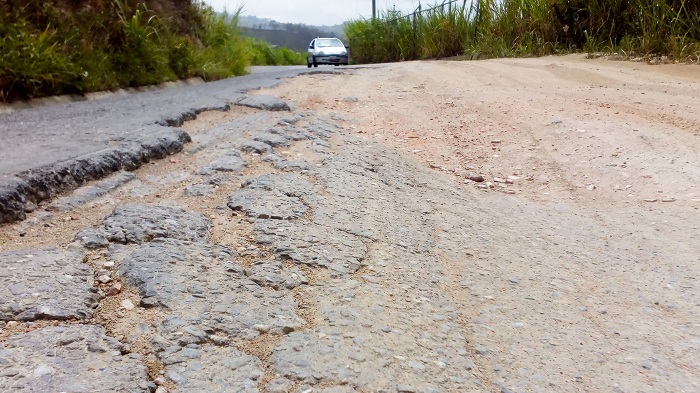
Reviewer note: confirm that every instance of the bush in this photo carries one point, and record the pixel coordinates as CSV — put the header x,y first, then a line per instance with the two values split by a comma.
x,y
58,47
33,61
497,28
263,53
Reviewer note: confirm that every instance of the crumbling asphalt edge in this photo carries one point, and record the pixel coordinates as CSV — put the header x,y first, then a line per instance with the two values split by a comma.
x,y
21,193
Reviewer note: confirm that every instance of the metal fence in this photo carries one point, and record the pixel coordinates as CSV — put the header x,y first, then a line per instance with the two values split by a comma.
x,y
419,9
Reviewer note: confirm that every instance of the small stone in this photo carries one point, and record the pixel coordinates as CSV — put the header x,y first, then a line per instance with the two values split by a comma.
x,y
481,350
108,264
104,279
386,329
262,328
405,389
651,200
358,357
127,304
42,370
149,302
590,187
668,200
219,340
159,381
161,389
115,289
499,180
647,365
476,178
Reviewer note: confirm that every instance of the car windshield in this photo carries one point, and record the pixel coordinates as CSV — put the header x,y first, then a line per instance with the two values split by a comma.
x,y
329,43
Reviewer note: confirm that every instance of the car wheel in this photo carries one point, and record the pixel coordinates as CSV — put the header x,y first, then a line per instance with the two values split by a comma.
x,y
308,64
315,64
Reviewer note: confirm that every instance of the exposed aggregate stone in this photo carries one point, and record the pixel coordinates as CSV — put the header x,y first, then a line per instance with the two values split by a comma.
x,y
255,147
272,274
229,369
45,284
264,102
143,223
265,204
75,358
203,281
273,140
230,161
285,164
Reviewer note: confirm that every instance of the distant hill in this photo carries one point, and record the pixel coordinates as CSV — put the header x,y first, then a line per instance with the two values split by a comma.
x,y
295,36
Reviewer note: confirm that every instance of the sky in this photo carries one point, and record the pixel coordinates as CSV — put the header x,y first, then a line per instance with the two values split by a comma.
x,y
313,12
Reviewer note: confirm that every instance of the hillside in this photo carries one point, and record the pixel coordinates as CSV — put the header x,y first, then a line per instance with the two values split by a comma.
x,y
295,36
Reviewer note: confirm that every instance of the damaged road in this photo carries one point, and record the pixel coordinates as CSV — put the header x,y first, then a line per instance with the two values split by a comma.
x,y
337,245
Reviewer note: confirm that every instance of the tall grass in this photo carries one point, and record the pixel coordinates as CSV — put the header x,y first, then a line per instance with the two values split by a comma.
x,y
262,53
225,51
74,47
502,28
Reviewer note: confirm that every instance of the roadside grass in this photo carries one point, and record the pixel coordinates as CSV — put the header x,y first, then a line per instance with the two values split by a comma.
x,y
56,47
262,53
508,28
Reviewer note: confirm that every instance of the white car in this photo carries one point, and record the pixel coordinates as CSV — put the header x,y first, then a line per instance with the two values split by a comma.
x,y
327,51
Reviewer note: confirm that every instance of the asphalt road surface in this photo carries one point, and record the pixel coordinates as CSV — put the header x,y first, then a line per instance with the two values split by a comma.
x,y
521,225
66,129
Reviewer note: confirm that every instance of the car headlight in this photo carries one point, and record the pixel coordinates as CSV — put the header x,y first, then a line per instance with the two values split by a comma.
x,y
343,53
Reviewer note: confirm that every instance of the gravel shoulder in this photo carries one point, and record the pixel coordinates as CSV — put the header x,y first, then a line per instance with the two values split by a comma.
x,y
523,225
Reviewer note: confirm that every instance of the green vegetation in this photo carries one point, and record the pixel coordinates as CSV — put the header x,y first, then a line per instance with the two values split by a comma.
x,y
74,47
505,28
262,53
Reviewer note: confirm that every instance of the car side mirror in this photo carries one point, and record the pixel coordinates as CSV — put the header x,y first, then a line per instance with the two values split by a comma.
x,y
347,46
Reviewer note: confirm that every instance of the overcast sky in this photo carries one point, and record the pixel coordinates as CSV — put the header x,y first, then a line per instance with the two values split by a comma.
x,y
313,12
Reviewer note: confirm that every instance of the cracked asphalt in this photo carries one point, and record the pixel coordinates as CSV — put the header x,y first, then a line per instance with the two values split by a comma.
x,y
294,245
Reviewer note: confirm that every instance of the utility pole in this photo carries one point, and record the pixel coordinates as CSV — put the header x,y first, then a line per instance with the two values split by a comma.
x,y
374,9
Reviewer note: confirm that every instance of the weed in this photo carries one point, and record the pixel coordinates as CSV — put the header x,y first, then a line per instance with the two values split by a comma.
x,y
50,47
500,28
263,53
